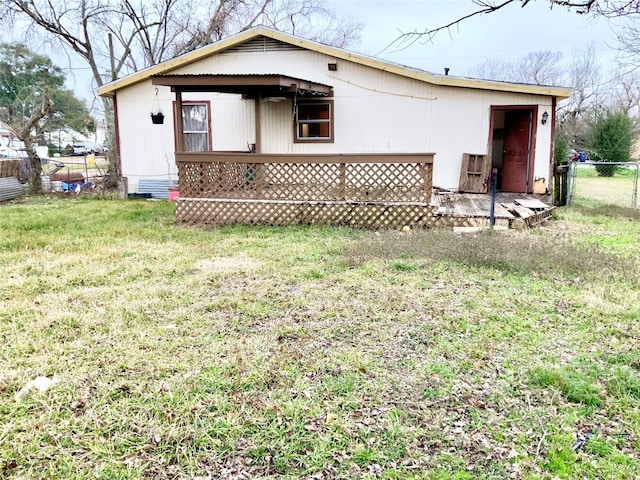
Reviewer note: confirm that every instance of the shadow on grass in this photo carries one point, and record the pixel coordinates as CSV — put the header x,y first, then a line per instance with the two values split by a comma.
x,y
516,254
611,211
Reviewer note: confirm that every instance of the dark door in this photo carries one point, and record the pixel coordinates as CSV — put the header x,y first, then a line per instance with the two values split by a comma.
x,y
517,158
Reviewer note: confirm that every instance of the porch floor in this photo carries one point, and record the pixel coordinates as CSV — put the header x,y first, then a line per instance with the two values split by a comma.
x,y
511,209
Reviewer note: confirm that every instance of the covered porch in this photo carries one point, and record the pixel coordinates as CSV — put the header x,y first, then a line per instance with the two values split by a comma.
x,y
370,190
384,190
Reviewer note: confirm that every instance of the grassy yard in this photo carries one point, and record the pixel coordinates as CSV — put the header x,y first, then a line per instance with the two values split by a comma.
x,y
315,353
615,190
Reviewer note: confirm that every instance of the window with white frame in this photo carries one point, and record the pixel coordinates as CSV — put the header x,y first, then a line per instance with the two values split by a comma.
x,y
196,126
314,121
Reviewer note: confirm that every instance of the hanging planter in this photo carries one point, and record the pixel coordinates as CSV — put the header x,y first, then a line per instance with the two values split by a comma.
x,y
157,117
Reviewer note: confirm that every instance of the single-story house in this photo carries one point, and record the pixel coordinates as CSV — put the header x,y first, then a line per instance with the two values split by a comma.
x,y
263,98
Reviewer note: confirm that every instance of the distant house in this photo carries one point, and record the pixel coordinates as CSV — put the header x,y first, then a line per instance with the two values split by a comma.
x,y
270,94
10,146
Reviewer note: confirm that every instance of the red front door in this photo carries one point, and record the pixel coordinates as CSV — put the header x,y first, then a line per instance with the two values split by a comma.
x,y
517,161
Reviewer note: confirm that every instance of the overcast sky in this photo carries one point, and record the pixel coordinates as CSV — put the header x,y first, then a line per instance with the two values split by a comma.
x,y
508,34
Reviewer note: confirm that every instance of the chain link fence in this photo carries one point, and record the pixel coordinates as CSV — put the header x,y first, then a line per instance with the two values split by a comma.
x,y
85,171
607,183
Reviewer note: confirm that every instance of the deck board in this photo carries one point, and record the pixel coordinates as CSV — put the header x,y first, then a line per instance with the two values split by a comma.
x,y
476,207
531,203
501,212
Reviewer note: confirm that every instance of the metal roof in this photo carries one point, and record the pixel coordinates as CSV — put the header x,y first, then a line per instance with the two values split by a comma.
x,y
244,84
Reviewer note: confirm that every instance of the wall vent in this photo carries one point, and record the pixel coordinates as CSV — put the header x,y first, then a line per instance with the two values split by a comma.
x,y
264,44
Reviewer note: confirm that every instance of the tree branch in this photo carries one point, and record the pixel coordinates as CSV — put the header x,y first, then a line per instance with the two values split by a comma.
x,y
606,8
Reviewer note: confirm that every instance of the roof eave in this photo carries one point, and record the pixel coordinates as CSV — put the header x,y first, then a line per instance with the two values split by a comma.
x,y
109,89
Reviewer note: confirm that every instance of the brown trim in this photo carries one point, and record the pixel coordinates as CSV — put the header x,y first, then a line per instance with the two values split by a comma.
x,y
532,138
234,157
331,138
490,146
534,141
175,122
553,142
116,126
179,128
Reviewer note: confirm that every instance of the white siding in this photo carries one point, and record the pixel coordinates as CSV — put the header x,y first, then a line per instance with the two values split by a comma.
x,y
375,112
147,150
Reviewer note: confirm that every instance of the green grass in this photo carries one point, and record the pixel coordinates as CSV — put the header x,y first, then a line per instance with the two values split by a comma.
x,y
584,171
308,352
577,385
591,188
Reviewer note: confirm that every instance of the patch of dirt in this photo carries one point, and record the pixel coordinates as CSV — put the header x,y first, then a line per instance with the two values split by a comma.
x,y
229,265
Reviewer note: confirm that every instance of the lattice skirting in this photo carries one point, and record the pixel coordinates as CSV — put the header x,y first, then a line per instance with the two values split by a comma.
x,y
351,214
264,212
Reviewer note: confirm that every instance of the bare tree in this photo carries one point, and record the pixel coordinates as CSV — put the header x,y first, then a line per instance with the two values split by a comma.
x,y
27,131
625,93
543,67
314,21
606,8
78,25
628,36
115,37
584,75
493,69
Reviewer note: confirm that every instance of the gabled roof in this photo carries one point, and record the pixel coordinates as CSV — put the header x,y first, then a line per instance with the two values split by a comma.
x,y
337,53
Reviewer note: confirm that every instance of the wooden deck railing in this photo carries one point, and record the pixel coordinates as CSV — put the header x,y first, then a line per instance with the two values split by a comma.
x,y
332,183
364,178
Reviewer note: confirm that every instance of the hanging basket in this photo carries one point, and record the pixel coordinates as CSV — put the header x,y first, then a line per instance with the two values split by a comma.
x,y
157,118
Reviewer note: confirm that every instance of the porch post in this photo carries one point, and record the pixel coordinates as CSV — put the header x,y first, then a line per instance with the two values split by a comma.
x,y
179,124
258,101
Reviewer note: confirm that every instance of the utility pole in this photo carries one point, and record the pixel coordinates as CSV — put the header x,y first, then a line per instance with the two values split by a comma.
x,y
112,58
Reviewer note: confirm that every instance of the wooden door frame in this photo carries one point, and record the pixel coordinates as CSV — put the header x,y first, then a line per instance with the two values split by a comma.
x,y
532,136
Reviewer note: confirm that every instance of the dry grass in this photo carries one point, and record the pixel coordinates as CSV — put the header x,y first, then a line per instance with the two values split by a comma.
x,y
314,353
616,190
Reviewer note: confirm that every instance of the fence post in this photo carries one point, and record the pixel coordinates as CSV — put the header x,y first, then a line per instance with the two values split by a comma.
x,y
634,199
560,193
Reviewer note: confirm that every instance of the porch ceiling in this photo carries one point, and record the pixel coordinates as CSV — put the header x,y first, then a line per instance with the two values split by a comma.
x,y
250,85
